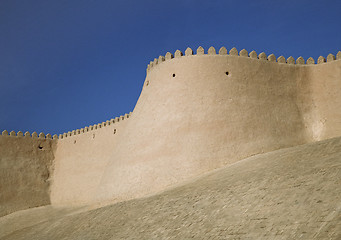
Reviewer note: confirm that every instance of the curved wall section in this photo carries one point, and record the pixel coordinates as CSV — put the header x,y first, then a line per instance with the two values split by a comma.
x,y
197,113
325,87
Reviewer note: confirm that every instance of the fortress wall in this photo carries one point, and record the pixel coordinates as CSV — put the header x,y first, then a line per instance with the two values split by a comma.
x,y
26,166
196,113
325,89
202,119
81,160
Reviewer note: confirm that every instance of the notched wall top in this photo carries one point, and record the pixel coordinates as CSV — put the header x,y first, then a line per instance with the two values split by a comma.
x,y
70,133
95,126
243,53
27,134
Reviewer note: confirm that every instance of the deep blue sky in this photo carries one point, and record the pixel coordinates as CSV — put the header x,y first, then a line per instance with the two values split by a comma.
x,y
66,64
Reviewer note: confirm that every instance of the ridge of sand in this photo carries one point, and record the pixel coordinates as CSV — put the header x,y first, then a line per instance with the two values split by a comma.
x,y
291,193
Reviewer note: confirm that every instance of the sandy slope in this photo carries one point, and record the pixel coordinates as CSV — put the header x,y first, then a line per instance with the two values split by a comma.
x,y
292,193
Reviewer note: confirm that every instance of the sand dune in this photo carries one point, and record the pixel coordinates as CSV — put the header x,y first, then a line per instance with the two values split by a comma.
x,y
291,193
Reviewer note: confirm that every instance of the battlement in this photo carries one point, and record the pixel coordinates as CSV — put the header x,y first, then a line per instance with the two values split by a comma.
x,y
95,126
28,134
243,53
69,133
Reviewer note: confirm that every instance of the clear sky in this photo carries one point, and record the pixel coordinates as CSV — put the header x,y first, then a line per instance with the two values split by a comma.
x,y
66,64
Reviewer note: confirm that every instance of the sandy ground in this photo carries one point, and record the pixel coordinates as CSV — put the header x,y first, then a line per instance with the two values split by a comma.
x,y
293,193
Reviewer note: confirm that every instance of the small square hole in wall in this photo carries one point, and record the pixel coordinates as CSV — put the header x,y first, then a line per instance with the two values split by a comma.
x,y
227,73
173,75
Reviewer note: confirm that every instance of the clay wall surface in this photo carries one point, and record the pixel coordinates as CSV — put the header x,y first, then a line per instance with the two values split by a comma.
x,y
200,112
81,160
325,90
26,166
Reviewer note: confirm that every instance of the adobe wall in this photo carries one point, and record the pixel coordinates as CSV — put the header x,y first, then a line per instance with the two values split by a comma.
x,y
325,87
26,166
195,113
81,158
38,170
192,117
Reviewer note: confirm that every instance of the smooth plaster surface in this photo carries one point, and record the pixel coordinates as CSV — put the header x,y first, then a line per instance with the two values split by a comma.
x,y
80,162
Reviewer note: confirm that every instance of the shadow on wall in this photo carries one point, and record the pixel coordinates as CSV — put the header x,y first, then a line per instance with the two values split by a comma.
x,y
26,165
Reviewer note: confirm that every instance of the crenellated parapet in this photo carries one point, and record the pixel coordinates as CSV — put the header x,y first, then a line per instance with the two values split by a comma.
x,y
95,126
28,134
69,133
243,53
